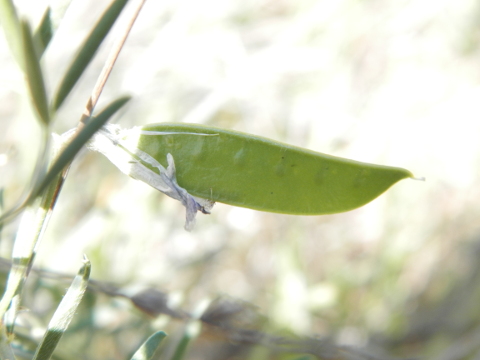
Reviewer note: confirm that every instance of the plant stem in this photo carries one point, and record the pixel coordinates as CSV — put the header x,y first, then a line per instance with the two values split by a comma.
x,y
109,63
37,214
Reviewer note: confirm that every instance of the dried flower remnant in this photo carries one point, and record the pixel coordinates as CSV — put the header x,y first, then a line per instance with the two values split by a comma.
x,y
138,164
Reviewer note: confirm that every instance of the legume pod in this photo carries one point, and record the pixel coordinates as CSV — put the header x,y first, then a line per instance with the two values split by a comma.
x,y
254,172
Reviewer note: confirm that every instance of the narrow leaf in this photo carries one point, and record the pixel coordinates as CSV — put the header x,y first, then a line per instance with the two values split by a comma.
x,y
76,144
44,32
34,75
87,51
182,346
53,178
11,26
250,171
149,347
64,313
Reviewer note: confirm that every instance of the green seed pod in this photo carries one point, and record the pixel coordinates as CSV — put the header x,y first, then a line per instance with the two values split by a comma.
x,y
253,172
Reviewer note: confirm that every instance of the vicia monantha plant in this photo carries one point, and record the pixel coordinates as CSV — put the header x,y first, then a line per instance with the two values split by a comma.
x,y
196,165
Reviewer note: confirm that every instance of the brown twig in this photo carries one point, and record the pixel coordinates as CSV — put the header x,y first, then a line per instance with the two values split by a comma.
x,y
107,68
228,320
100,84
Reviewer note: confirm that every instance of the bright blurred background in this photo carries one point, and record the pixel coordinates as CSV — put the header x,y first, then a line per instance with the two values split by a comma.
x,y
389,82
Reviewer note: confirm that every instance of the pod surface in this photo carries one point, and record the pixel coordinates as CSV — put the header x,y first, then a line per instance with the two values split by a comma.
x,y
254,172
